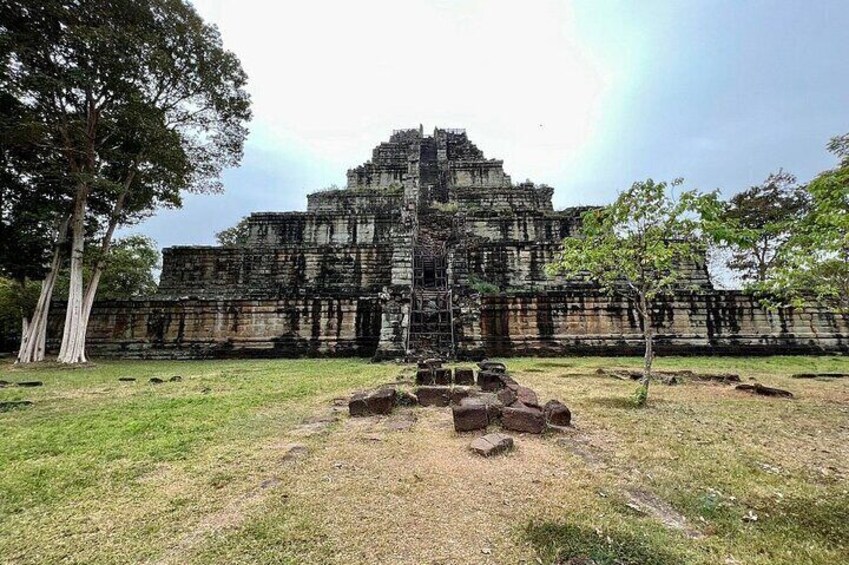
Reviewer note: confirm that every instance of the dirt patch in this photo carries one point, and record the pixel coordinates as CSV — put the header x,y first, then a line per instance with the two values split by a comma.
x,y
651,504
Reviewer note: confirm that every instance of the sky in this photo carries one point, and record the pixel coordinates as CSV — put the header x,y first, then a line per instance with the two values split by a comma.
x,y
586,96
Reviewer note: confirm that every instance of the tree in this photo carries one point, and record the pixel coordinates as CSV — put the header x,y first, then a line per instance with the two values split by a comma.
x,y
815,261
235,236
127,272
641,247
142,102
759,221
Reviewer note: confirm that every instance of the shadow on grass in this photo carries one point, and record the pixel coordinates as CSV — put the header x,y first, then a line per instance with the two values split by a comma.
x,y
557,543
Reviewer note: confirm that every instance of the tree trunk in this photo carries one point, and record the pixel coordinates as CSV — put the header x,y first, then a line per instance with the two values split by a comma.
x,y
105,246
33,342
648,358
73,336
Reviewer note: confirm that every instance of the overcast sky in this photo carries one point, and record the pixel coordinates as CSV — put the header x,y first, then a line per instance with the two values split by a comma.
x,y
586,96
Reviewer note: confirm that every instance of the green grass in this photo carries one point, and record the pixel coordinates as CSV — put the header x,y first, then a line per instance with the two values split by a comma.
x,y
100,471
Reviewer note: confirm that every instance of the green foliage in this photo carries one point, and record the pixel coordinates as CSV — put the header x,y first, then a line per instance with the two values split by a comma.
x,y
128,269
642,244
445,207
641,396
815,260
17,300
560,542
483,286
758,223
235,236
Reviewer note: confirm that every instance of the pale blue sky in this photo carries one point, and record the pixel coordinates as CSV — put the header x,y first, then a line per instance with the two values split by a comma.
x,y
586,96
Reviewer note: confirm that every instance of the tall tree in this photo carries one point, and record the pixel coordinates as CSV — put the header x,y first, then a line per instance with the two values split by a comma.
x,y
141,100
642,247
236,235
815,261
759,221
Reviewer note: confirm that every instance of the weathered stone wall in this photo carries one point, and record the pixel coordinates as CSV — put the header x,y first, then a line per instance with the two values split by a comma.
x,y
717,322
272,272
279,228
522,226
471,200
361,201
290,327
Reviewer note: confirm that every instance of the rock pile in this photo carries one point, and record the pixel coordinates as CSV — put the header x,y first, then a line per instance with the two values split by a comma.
x,y
478,400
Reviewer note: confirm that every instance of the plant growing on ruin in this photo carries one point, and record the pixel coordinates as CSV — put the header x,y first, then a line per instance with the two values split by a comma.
x,y
136,101
642,248
814,263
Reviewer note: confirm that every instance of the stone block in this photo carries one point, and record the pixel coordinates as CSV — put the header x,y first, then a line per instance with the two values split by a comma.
x,y
424,377
463,376
507,396
488,399
381,401
557,413
527,396
458,393
520,418
357,405
442,376
432,363
493,366
434,395
492,444
470,417
489,381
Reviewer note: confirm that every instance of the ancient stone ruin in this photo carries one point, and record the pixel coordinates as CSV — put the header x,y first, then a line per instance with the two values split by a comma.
x,y
479,400
431,249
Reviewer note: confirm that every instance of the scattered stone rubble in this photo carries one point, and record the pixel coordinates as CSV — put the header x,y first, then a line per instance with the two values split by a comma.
x,y
477,400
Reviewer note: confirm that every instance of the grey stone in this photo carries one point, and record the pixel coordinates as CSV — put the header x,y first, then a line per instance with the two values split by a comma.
x,y
492,444
507,396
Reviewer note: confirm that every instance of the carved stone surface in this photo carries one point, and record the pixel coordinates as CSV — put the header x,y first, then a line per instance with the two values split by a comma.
x,y
430,250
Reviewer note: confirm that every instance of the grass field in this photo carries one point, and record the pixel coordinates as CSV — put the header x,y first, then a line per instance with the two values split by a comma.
x,y
249,461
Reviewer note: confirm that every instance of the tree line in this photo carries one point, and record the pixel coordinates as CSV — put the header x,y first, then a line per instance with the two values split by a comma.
x,y
108,111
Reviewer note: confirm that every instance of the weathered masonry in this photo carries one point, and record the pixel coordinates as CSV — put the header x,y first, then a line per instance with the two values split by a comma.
x,y
431,248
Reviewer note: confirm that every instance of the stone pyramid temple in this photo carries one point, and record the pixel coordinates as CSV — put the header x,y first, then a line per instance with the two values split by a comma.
x,y
431,248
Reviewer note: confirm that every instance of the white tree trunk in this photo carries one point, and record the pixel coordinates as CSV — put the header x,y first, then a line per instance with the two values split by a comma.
x,y
33,341
72,349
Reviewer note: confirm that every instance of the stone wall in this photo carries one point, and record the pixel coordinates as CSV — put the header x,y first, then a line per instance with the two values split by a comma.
x,y
717,322
291,327
272,272
272,229
471,200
